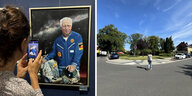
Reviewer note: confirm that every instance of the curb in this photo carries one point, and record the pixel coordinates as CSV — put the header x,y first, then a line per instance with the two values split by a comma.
x,y
143,62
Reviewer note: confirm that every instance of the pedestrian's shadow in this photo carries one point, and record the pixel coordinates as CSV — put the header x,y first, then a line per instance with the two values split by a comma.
x,y
187,70
141,67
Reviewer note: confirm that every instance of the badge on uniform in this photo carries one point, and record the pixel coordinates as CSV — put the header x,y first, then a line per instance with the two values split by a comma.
x,y
53,67
72,40
59,54
80,46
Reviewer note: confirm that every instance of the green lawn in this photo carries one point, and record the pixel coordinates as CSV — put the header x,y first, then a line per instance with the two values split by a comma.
x,y
141,57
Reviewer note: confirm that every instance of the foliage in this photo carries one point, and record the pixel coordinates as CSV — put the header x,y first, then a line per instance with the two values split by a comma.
x,y
168,45
123,55
147,51
141,45
138,52
127,52
162,43
133,39
153,43
182,46
165,54
150,44
110,39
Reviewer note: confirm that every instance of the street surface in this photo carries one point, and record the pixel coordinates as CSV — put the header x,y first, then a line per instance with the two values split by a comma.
x,y
172,79
141,62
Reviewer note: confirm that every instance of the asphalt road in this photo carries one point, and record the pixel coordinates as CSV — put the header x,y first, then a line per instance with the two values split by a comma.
x,y
173,79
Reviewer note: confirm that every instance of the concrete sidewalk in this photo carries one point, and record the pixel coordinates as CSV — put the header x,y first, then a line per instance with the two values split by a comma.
x,y
141,62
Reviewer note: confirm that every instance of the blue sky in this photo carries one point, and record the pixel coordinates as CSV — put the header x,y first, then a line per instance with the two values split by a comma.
x,y
163,18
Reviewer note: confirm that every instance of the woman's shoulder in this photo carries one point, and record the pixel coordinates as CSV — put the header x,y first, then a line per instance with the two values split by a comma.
x,y
11,84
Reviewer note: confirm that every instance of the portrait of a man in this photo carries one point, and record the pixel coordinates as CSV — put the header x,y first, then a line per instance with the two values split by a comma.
x,y
68,48
63,35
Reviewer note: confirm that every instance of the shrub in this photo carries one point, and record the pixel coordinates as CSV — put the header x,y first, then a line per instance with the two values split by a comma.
x,y
147,51
138,52
166,54
127,52
156,52
123,55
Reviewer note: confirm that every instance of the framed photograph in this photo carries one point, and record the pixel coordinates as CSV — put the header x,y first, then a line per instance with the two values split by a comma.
x,y
63,34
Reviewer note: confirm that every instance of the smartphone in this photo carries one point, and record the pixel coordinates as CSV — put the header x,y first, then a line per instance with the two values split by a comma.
x,y
33,49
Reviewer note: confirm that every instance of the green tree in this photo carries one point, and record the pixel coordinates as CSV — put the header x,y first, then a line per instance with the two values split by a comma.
x,y
110,39
153,44
162,43
168,45
147,51
142,45
133,39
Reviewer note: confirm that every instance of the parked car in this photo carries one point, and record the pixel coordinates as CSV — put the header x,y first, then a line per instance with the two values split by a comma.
x,y
120,53
104,53
188,55
180,56
114,55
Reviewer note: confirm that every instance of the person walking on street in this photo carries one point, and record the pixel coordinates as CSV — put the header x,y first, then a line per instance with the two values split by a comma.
x,y
149,61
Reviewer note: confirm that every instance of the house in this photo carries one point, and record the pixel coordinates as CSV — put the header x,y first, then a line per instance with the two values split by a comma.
x,y
189,49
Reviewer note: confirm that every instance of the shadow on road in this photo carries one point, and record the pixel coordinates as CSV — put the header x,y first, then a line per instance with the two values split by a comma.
x,y
142,67
187,70
101,56
160,58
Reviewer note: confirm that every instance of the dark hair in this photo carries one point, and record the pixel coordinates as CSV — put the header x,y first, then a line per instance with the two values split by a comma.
x,y
14,27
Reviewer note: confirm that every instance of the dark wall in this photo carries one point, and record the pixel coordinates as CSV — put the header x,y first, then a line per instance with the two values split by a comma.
x,y
55,90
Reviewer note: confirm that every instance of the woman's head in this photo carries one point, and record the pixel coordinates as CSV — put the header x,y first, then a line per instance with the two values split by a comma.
x,y
14,29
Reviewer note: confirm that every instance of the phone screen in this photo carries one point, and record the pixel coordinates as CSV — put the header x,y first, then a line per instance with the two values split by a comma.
x,y
33,49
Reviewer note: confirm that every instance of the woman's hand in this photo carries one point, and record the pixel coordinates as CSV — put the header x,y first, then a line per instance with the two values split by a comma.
x,y
22,67
34,66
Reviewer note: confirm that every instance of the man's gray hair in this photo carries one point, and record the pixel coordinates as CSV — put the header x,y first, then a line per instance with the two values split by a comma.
x,y
65,18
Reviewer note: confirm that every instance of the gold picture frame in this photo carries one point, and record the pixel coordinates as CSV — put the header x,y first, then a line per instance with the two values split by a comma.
x,y
44,23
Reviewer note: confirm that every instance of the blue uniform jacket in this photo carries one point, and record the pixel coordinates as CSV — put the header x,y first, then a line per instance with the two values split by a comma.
x,y
68,52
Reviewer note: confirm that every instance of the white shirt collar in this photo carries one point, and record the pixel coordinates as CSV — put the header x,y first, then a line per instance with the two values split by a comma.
x,y
65,38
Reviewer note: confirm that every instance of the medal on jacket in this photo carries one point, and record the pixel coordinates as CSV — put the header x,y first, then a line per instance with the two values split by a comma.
x,y
59,54
72,40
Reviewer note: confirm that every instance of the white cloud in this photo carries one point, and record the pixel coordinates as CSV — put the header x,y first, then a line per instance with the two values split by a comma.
x,y
79,17
183,34
49,28
144,2
189,15
146,32
123,2
141,22
182,11
53,26
180,22
156,4
188,25
189,42
172,6
117,15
